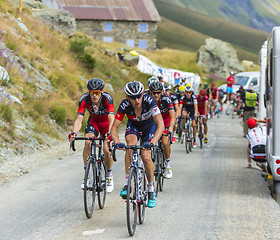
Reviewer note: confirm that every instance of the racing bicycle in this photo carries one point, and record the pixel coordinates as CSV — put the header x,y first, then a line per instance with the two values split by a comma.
x,y
188,134
200,130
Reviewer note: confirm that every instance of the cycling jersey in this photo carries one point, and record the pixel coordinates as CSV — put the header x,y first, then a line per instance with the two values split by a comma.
x,y
165,104
214,92
201,104
257,138
174,98
188,104
98,119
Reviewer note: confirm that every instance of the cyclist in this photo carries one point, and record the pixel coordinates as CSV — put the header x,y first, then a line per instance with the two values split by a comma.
x,y
150,80
202,102
214,96
143,116
101,116
181,93
166,108
180,84
167,90
188,104
230,82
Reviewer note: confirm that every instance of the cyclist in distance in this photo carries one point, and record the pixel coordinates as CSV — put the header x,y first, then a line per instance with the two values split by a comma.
x,y
174,98
214,95
166,108
101,117
202,101
182,83
230,82
188,104
143,116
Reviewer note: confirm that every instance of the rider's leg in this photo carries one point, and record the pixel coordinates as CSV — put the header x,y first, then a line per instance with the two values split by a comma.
x,y
87,148
107,154
205,127
166,147
184,114
149,165
194,129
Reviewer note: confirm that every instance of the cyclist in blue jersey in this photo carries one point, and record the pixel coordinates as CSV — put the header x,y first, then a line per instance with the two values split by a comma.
x,y
188,104
143,116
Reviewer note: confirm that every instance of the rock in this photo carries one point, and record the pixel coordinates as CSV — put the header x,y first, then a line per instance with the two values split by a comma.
x,y
60,20
110,53
125,72
33,4
9,97
249,64
130,59
218,57
4,75
110,88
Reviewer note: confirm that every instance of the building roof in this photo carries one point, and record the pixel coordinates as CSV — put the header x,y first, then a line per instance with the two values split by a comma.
x,y
126,10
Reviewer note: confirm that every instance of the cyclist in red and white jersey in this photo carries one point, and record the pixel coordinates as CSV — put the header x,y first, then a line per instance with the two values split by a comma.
x,y
166,108
214,95
143,116
102,113
202,103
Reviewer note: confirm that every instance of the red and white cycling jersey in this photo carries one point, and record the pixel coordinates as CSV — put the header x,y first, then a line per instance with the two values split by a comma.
x,y
201,104
257,138
214,92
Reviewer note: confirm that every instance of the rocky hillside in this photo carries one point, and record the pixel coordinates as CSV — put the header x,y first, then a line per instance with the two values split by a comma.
x,y
258,14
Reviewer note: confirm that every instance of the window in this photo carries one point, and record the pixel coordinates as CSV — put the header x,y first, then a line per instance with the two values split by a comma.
x,y
130,42
254,82
107,39
143,27
142,44
108,27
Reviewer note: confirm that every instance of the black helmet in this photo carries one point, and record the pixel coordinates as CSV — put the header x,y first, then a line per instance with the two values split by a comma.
x,y
133,88
156,86
95,84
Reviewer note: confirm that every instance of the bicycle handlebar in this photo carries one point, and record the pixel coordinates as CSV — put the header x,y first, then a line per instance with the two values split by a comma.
x,y
72,144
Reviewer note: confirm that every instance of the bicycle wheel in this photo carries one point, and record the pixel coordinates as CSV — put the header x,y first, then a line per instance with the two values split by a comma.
x,y
229,109
131,202
180,130
162,169
191,137
89,187
157,173
200,135
143,197
187,136
101,183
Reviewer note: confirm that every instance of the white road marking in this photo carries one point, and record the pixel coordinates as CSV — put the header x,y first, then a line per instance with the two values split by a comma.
x,y
97,231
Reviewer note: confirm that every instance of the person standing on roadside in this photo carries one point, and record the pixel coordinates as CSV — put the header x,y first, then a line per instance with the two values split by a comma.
x,y
230,82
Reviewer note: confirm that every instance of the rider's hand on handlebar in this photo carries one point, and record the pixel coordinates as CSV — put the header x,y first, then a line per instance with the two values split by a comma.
x,y
72,136
165,132
108,136
148,145
120,145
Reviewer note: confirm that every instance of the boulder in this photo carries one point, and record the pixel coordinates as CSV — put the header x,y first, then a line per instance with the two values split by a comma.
x,y
57,19
4,75
218,57
130,59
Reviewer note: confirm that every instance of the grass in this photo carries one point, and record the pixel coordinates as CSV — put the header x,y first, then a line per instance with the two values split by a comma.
x,y
244,38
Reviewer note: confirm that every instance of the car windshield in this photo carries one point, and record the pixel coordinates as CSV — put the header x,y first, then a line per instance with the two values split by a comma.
x,y
241,80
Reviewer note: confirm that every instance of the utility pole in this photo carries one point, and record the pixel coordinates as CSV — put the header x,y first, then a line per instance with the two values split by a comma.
x,y
20,6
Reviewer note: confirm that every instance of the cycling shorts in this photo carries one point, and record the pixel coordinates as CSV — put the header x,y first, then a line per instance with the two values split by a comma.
x,y
148,131
202,111
191,112
229,90
95,127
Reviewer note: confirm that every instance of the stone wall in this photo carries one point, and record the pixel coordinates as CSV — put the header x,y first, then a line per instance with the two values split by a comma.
x,y
121,31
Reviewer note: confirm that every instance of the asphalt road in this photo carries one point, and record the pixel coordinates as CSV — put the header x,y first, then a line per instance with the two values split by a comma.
x,y
212,195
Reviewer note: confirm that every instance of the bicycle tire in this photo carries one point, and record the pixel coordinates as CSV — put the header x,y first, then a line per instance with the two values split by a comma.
x,y
157,173
143,196
229,109
89,187
101,183
180,130
187,140
200,135
191,139
131,202
162,168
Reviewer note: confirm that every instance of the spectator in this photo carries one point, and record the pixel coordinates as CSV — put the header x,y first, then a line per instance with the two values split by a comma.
x,y
257,142
230,82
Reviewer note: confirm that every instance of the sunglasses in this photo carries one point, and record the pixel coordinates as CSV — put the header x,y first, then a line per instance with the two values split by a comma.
x,y
155,93
189,92
95,92
136,97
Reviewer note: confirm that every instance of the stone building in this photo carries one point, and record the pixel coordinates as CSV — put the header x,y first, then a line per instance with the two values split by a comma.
x,y
131,22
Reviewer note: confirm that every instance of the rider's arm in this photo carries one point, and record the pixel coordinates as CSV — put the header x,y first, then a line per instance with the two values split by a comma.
x,y
195,109
160,127
206,107
111,118
177,107
114,130
172,119
78,123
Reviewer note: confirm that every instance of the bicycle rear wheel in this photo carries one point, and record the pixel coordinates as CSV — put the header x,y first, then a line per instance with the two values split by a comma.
x,y
191,137
101,183
200,135
229,109
180,130
89,187
162,169
131,202
187,136
143,196
157,173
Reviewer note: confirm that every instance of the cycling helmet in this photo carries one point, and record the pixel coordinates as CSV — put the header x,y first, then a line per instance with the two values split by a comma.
x,y
181,89
152,79
133,88
213,84
167,87
95,84
188,85
183,78
156,86
206,85
188,89
231,73
202,92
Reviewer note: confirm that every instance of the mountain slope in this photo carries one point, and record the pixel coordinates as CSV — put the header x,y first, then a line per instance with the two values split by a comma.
x,y
258,14
243,37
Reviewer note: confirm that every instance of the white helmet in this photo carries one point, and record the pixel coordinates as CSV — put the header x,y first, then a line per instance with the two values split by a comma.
x,y
167,87
133,88
188,89
152,79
